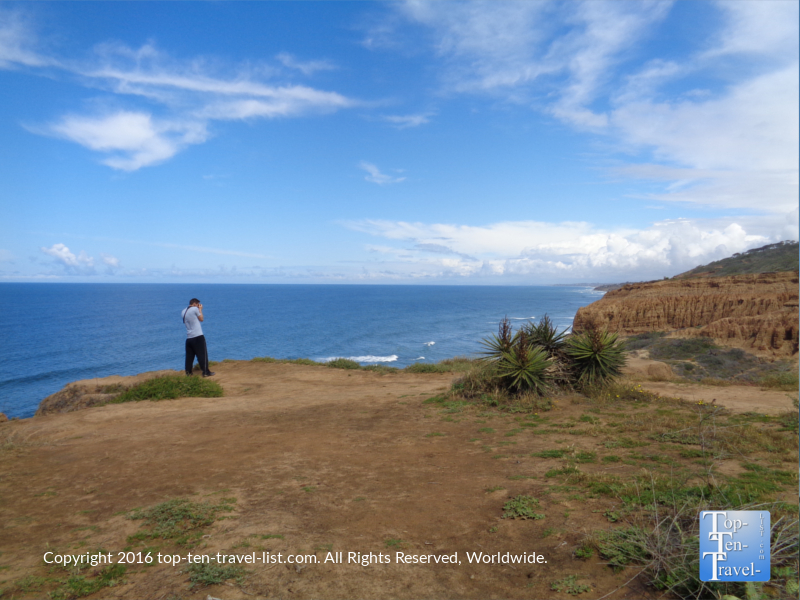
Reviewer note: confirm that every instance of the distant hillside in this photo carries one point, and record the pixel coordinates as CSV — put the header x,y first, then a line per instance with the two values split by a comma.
x,y
783,256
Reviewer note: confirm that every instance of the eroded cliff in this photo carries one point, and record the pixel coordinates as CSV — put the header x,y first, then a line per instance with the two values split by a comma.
x,y
756,312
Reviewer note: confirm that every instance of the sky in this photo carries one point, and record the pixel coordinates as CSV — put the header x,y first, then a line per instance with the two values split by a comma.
x,y
498,143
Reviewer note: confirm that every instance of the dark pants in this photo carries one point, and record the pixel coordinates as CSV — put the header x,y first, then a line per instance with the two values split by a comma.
x,y
196,346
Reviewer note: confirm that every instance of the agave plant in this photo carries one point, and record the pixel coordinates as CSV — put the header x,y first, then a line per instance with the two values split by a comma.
x,y
597,355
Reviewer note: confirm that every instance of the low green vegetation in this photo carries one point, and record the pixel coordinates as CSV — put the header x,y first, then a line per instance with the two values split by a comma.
x,y
451,365
569,585
180,521
170,387
205,574
700,359
522,507
782,256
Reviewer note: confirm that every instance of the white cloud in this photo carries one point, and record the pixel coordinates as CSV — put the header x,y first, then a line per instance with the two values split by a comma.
x,y
735,144
134,139
17,43
306,68
375,176
82,264
405,121
191,93
110,261
541,251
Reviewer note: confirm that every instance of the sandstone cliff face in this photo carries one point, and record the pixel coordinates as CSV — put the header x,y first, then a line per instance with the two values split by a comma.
x,y
758,312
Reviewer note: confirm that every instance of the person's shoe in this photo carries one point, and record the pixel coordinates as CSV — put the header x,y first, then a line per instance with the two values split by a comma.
x,y
209,374
188,374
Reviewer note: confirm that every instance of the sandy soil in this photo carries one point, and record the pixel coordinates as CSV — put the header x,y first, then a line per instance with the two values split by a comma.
x,y
738,398
329,460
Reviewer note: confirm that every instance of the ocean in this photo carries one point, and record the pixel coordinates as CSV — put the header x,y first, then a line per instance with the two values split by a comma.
x,y
54,333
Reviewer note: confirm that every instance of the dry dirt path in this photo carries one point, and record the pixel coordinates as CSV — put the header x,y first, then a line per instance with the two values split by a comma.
x,y
326,459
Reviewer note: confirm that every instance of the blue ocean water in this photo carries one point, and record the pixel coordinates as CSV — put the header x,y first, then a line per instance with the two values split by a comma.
x,y
52,334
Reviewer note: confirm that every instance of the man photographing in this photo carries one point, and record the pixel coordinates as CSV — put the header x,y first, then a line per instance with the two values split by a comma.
x,y
195,340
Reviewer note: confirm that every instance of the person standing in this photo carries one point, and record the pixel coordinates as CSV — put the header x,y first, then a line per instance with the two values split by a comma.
x,y
195,340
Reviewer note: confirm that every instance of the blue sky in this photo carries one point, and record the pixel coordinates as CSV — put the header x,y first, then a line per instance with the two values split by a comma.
x,y
412,142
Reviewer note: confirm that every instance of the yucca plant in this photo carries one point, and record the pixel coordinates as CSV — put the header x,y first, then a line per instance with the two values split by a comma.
x,y
597,355
525,368
519,364
545,334
496,345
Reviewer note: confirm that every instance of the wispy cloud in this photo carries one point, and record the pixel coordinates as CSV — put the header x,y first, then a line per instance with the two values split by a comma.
x,y
190,94
405,121
375,176
735,143
305,67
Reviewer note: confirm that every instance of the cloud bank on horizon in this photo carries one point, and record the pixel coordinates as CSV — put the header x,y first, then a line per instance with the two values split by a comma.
x,y
473,142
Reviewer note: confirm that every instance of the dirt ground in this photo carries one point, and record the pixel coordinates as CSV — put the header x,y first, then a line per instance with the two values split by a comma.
x,y
738,398
319,460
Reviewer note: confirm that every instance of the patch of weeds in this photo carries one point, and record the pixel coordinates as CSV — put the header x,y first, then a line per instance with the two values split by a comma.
x,y
394,543
691,453
521,477
566,470
474,440
495,488
549,454
584,551
180,520
485,430
323,548
492,529
343,363
625,443
585,457
428,368
205,574
611,458
612,516
513,432
589,419
308,488
170,387
570,586
522,507
270,536
30,583
78,586
786,381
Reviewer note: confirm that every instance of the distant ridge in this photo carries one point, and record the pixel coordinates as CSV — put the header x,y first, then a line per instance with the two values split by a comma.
x,y
773,258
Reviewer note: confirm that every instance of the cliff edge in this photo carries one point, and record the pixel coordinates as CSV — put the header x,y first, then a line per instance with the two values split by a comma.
x,y
755,312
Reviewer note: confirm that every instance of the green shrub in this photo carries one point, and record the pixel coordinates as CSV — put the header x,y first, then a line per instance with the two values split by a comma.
x,y
343,363
170,387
